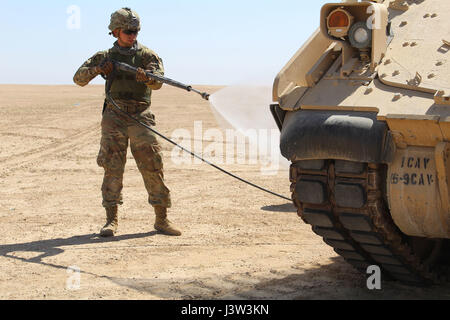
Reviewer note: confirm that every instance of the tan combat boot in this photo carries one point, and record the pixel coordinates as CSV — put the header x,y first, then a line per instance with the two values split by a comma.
x,y
112,222
163,225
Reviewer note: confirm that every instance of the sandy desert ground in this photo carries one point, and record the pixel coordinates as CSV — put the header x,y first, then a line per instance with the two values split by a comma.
x,y
238,242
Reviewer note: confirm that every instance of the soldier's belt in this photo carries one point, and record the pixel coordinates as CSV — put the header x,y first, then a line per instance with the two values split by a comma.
x,y
131,108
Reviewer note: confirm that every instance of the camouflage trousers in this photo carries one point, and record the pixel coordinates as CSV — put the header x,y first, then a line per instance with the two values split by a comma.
x,y
117,131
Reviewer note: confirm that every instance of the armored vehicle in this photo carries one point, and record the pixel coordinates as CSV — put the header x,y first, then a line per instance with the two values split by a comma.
x,y
363,108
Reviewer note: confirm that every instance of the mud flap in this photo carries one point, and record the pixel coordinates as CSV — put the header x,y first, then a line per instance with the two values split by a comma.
x,y
351,136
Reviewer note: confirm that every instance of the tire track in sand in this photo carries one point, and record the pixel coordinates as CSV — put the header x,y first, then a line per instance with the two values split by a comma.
x,y
22,160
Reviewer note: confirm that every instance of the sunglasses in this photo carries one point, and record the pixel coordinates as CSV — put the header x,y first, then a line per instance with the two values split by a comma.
x,y
130,32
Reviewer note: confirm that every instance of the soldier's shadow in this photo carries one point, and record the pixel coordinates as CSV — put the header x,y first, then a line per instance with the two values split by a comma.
x,y
53,247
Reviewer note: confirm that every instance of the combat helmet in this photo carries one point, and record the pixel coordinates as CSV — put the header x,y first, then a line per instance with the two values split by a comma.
x,y
125,18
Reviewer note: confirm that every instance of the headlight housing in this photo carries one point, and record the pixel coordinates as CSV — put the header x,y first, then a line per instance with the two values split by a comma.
x,y
367,30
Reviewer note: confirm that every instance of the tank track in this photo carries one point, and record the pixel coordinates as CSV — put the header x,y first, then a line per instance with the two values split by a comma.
x,y
344,202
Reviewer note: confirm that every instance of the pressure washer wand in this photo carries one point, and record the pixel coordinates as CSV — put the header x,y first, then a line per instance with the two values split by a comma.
x,y
127,68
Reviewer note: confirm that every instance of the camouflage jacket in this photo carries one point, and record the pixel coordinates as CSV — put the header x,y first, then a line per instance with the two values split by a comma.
x,y
151,62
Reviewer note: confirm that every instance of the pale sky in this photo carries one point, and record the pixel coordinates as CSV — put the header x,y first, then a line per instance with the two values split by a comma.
x,y
218,42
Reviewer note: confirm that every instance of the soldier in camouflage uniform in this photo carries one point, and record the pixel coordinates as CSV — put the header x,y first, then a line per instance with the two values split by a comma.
x,y
133,95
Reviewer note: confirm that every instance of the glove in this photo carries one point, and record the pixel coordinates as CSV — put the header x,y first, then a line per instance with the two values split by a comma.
x,y
142,77
105,68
